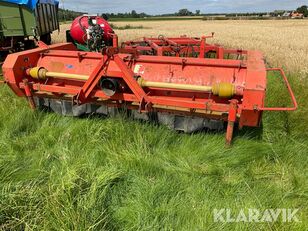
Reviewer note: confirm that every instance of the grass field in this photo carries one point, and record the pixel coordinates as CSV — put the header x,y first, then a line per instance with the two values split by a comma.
x,y
61,173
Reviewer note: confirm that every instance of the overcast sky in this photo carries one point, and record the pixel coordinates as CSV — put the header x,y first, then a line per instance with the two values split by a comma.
x,y
171,6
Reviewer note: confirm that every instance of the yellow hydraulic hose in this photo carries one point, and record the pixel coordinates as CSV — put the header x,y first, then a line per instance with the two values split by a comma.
x,y
145,83
42,73
223,90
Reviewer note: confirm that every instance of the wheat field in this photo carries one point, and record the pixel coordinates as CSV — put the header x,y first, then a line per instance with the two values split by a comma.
x,y
283,42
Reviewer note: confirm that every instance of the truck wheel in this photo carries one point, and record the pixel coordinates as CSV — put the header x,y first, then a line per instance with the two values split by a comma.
x,y
46,38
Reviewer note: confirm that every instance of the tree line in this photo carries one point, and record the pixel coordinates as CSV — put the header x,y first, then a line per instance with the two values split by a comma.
x,y
303,10
185,12
69,15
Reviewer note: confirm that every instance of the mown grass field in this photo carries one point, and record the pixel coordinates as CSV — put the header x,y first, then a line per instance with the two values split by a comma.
x,y
60,173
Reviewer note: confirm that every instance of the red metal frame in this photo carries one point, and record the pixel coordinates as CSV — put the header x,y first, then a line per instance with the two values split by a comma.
x,y
180,60
292,96
180,47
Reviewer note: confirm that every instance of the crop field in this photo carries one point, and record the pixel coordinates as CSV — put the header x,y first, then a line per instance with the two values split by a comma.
x,y
283,42
61,173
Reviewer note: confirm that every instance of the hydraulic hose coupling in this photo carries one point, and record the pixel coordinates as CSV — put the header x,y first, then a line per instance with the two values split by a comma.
x,y
37,73
224,90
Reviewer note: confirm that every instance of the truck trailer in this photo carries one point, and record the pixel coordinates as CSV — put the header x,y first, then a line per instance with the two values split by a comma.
x,y
23,21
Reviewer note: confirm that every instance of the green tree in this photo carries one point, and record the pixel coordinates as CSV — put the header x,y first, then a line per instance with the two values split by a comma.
x,y
198,12
303,10
184,12
134,14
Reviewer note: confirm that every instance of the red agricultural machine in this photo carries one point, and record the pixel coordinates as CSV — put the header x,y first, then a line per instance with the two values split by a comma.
x,y
184,83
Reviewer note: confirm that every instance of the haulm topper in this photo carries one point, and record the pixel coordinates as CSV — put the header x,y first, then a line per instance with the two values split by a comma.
x,y
184,83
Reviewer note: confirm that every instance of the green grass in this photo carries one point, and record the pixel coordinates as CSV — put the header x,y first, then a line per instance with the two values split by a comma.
x,y
60,173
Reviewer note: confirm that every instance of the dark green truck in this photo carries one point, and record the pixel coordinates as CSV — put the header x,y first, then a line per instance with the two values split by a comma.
x,y
21,21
